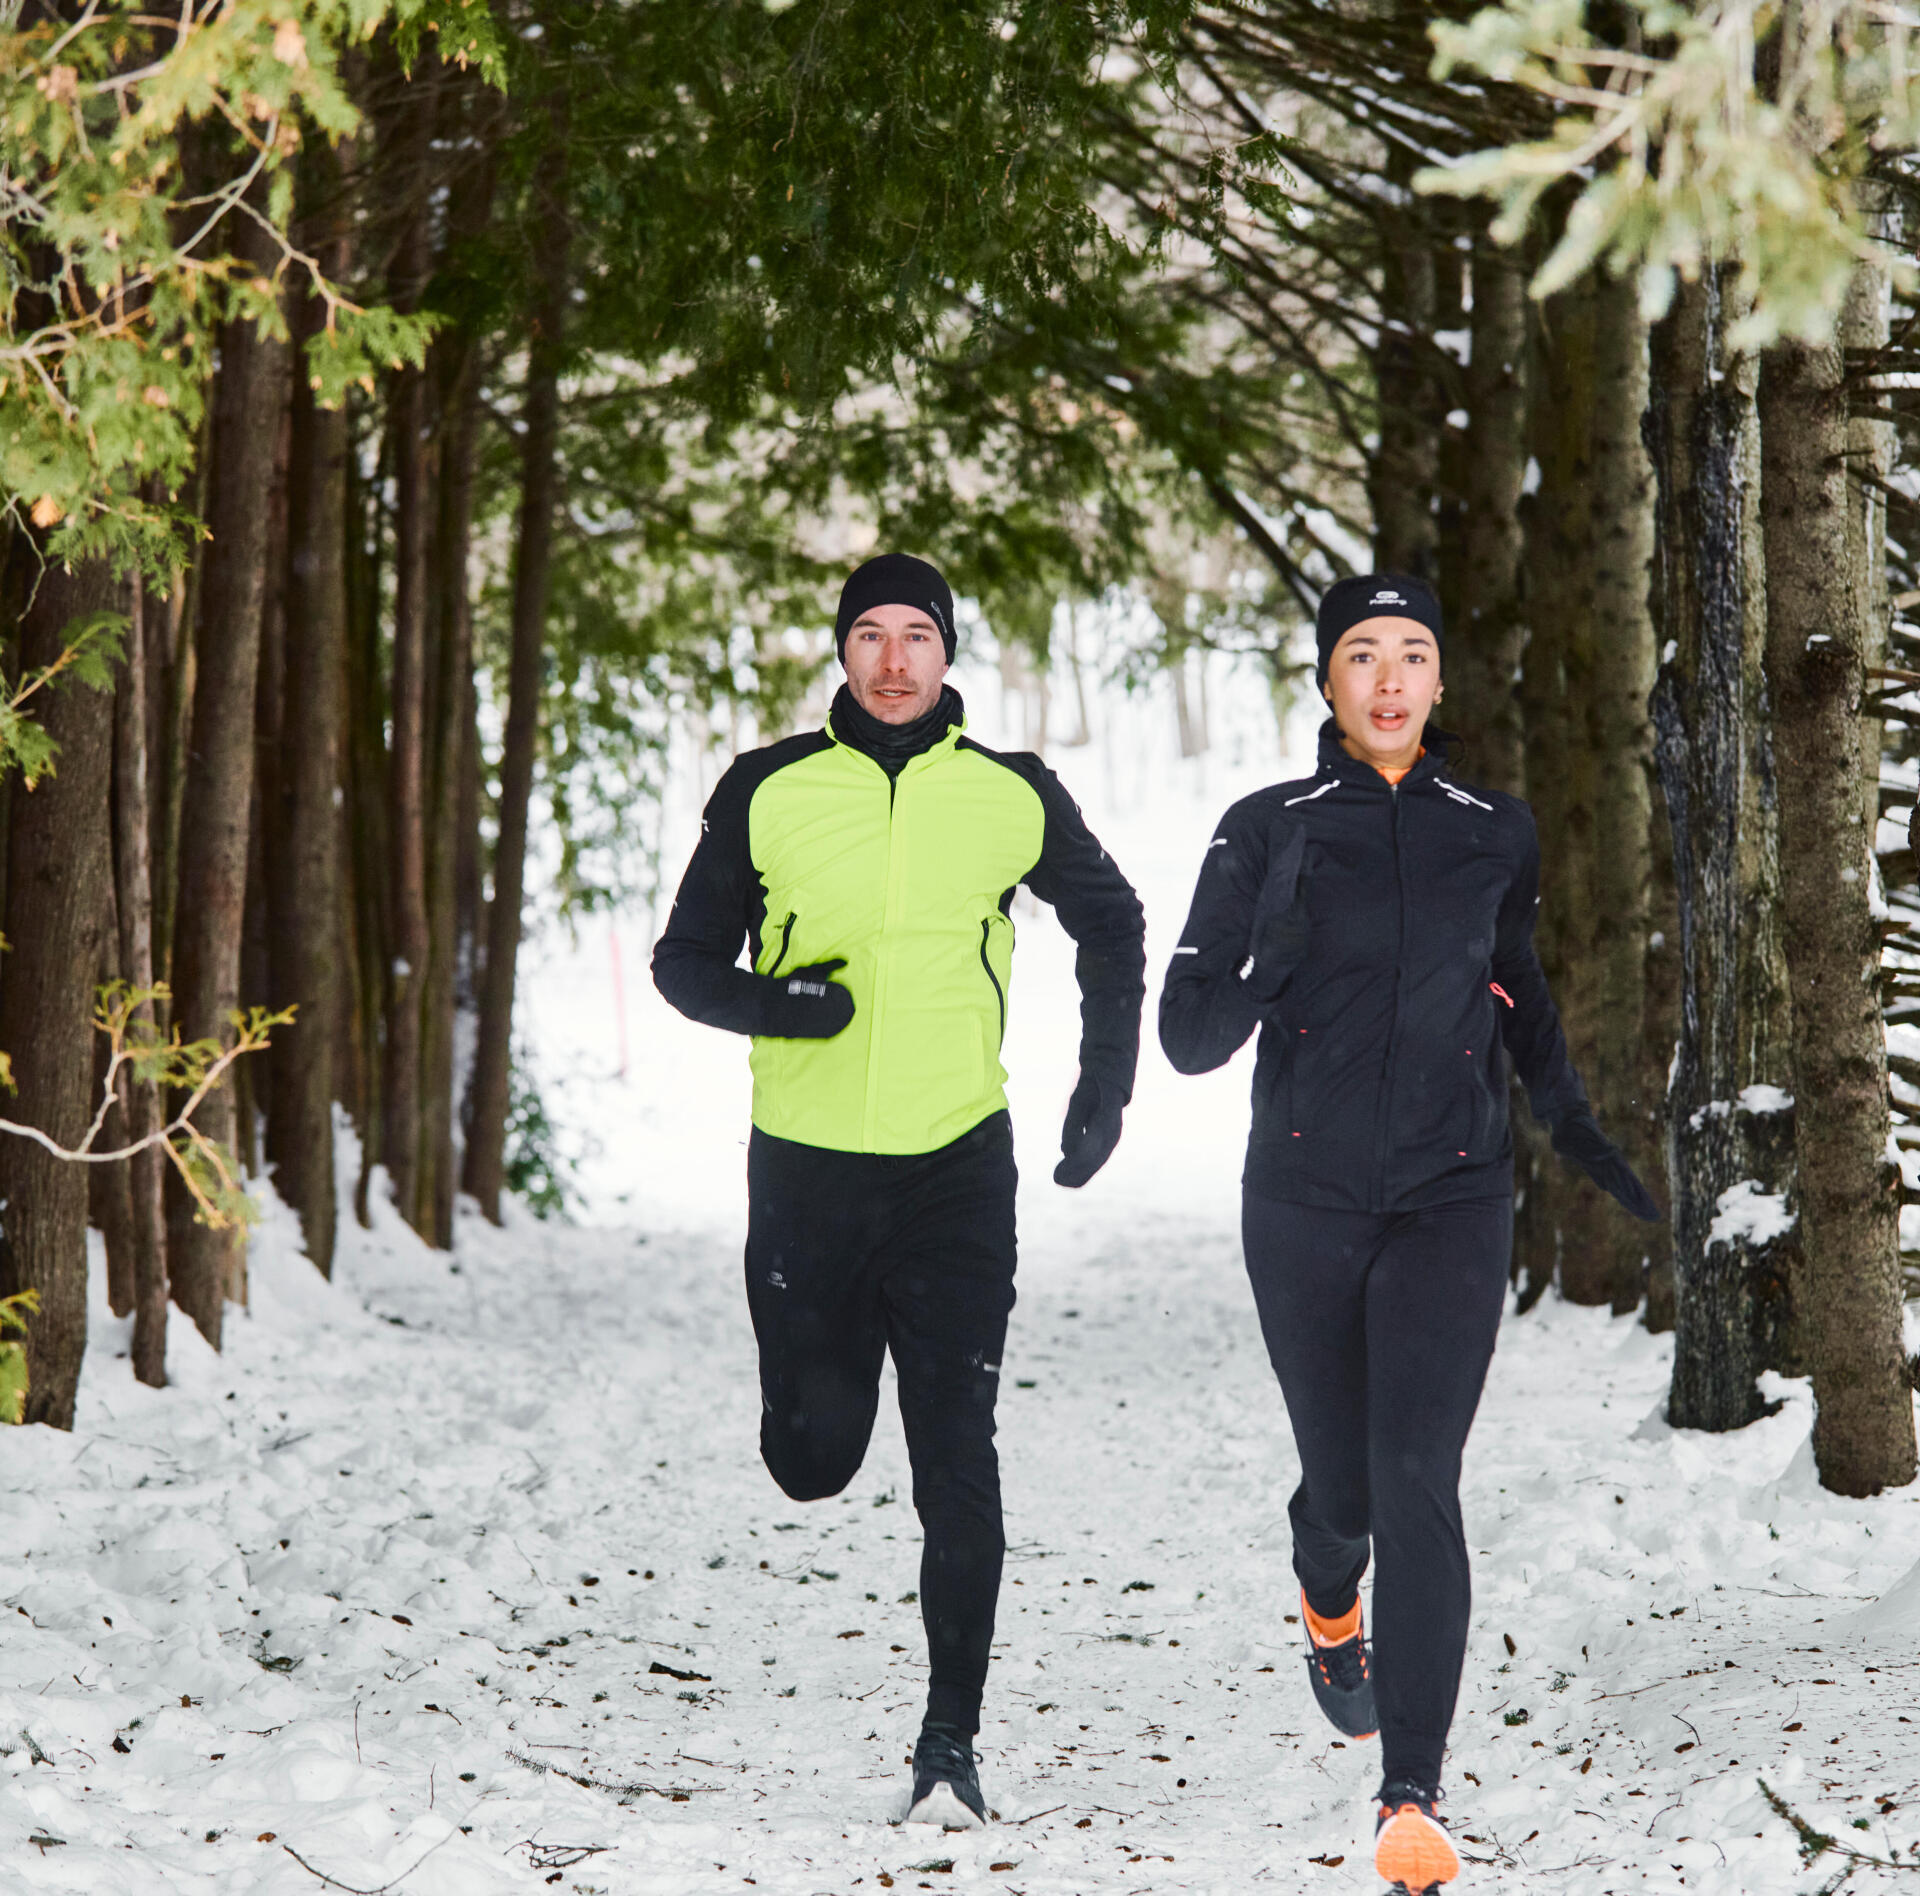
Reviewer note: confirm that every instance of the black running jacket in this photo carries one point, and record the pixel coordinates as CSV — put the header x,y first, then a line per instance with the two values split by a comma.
x,y
1380,1079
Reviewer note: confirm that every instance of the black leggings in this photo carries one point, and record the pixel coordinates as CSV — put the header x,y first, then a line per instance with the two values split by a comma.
x,y
852,1254
1380,1328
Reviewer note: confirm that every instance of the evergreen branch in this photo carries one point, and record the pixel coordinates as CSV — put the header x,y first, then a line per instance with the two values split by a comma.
x,y
195,1066
1814,1844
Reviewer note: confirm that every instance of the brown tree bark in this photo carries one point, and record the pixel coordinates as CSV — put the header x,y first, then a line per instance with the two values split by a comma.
x,y
171,690
1819,616
414,459
109,1189
253,1079
539,498
1730,1127
365,856
1659,1044
305,896
133,882
1620,742
58,881
1491,640
249,394
1403,480
449,732
1870,456
1557,1210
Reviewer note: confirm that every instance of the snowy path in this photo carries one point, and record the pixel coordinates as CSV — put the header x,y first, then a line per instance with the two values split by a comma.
x,y
416,1531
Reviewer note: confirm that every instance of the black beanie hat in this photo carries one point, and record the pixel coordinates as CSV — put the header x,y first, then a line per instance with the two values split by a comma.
x,y
894,579
1373,596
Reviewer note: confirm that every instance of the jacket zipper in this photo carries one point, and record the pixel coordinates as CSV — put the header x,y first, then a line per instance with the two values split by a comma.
x,y
999,993
889,919
1383,1112
786,935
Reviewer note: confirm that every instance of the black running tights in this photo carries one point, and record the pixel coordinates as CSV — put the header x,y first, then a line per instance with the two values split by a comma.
x,y
1380,1328
850,1255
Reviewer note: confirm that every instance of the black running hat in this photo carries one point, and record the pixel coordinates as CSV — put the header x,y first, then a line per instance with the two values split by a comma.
x,y
1373,596
894,579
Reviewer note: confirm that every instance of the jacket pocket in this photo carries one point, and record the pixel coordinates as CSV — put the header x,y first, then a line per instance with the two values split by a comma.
x,y
1274,1065
1487,1119
786,936
999,993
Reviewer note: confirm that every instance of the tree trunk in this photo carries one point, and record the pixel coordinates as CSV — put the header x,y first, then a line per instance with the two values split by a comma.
x,y
1621,746
1659,1046
365,813
58,878
1819,614
1404,477
172,688
406,793
1491,639
1870,455
539,497
305,897
109,1191
1558,1211
446,742
470,907
1730,1128
253,1079
133,878
249,394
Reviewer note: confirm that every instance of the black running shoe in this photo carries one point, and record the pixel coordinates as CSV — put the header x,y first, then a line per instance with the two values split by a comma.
x,y
1411,1848
1342,1675
946,1782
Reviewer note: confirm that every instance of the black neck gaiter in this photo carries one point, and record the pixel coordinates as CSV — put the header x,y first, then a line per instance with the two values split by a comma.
x,y
891,746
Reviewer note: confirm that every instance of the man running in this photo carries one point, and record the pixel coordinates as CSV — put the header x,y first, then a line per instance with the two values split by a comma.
x,y
870,867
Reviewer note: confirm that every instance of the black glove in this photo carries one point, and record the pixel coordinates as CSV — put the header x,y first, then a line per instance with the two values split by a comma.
x,y
805,1003
1090,1134
1278,942
1578,1139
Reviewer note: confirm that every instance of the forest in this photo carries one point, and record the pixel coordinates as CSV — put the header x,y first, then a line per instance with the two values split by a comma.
x,y
409,413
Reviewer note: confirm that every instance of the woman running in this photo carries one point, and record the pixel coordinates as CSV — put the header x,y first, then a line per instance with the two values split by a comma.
x,y
1375,922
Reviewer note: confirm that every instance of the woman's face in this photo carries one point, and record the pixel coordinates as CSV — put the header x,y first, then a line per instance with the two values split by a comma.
x,y
1382,681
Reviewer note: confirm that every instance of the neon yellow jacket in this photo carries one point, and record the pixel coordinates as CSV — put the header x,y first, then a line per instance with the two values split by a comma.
x,y
811,853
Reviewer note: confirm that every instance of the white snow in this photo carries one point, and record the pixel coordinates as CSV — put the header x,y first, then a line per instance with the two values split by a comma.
x,y
345,1589
1759,1098
1747,1214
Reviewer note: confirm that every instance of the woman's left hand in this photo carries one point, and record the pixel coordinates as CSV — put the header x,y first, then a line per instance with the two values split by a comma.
x,y
1577,1138
1281,928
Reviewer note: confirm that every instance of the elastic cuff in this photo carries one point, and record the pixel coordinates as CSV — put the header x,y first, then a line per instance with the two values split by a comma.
x,y
1411,1758
955,1707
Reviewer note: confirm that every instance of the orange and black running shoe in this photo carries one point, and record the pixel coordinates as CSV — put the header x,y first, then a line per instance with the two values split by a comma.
x,y
1411,1848
1340,1666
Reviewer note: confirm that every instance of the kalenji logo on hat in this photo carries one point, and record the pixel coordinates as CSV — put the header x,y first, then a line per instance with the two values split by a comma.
x,y
1387,598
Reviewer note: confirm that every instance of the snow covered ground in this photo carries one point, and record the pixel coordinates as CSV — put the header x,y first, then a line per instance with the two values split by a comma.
x,y
462,1575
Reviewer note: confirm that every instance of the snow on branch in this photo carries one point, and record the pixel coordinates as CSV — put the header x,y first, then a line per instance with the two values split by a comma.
x,y
1683,154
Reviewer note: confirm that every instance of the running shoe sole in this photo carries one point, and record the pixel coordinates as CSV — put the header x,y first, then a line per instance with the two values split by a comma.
x,y
944,1806
1414,1853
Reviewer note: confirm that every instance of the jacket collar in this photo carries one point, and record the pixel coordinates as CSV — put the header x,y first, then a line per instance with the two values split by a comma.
x,y
1334,761
894,746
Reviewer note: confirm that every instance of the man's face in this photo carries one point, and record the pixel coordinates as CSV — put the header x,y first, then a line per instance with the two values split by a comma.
x,y
1381,681
895,662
